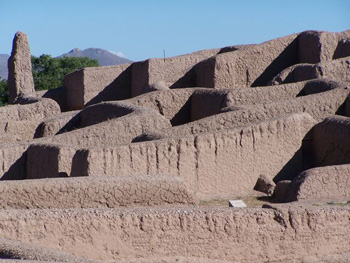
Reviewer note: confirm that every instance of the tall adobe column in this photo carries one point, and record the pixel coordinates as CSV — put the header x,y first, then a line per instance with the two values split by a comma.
x,y
20,78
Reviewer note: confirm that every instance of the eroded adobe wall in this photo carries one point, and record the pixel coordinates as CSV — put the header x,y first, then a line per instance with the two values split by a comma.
x,y
20,78
96,84
253,66
174,71
333,69
323,183
94,192
213,164
13,161
317,46
243,235
332,141
318,105
208,102
175,105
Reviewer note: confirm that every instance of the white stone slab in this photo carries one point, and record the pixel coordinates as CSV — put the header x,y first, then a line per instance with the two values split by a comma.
x,y
236,203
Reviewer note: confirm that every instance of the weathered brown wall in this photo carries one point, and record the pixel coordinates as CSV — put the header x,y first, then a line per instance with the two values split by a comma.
x,y
242,235
322,183
94,192
93,85
216,164
174,71
253,66
331,141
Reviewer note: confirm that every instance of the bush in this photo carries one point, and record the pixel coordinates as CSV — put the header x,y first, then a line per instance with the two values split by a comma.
x,y
48,72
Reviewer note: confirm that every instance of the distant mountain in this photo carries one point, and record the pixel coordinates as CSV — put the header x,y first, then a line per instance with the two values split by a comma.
x,y
104,57
3,65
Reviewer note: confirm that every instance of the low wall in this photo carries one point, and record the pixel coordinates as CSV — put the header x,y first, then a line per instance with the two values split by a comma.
x,y
241,235
44,108
324,183
94,192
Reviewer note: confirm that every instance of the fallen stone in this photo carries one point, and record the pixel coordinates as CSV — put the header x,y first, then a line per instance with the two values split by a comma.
x,y
281,191
265,184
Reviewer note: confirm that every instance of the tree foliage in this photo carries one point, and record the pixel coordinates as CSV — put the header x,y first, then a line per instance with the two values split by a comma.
x,y
48,72
4,92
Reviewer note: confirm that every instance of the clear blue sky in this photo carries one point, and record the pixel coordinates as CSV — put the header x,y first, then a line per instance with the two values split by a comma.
x,y
141,29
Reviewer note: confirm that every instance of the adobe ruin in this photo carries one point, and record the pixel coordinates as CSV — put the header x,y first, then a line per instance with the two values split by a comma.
x,y
158,147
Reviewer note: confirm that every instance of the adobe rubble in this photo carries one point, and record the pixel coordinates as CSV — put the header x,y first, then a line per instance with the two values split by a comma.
x,y
136,162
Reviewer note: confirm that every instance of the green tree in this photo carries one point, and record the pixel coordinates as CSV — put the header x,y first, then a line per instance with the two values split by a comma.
x,y
4,92
48,72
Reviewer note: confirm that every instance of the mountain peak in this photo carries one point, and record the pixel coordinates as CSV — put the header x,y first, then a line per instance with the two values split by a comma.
x,y
104,57
75,50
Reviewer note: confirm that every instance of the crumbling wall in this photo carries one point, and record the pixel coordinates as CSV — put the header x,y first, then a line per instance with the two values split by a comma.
x,y
174,71
94,192
20,78
331,141
93,85
213,164
214,233
322,183
253,66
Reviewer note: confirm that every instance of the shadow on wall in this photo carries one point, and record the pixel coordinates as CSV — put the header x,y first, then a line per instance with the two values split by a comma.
x,y
303,158
183,116
287,58
188,80
119,89
17,171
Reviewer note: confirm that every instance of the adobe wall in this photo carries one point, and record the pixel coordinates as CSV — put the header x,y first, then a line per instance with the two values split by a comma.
x,y
241,235
108,83
323,183
174,71
208,102
317,46
253,66
215,164
21,120
18,251
23,130
333,69
175,104
50,156
94,192
117,131
59,123
331,141
331,102
13,160
25,112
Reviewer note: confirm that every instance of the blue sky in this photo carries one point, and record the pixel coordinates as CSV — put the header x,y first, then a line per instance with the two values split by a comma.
x,y
142,29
